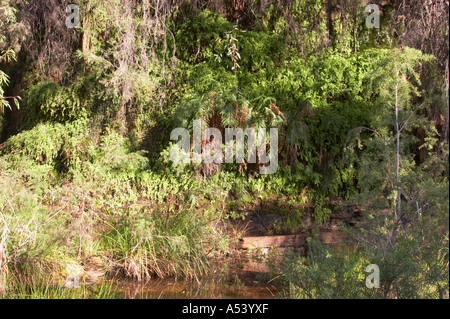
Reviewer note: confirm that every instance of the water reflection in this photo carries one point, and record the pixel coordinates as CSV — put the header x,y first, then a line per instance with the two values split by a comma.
x,y
236,284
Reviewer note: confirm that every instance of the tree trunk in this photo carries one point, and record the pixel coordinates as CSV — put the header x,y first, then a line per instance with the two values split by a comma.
x,y
355,26
397,127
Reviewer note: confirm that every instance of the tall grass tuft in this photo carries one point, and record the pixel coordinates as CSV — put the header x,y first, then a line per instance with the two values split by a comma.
x,y
157,244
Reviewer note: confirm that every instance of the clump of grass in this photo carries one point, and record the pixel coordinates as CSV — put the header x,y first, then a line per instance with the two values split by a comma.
x,y
162,244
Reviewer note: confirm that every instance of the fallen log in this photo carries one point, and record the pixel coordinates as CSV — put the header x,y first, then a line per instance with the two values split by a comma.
x,y
256,267
289,240
333,237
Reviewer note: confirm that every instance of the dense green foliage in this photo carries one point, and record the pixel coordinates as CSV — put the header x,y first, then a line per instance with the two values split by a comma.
x,y
89,146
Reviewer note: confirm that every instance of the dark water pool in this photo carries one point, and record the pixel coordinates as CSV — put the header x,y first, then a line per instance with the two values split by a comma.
x,y
234,284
